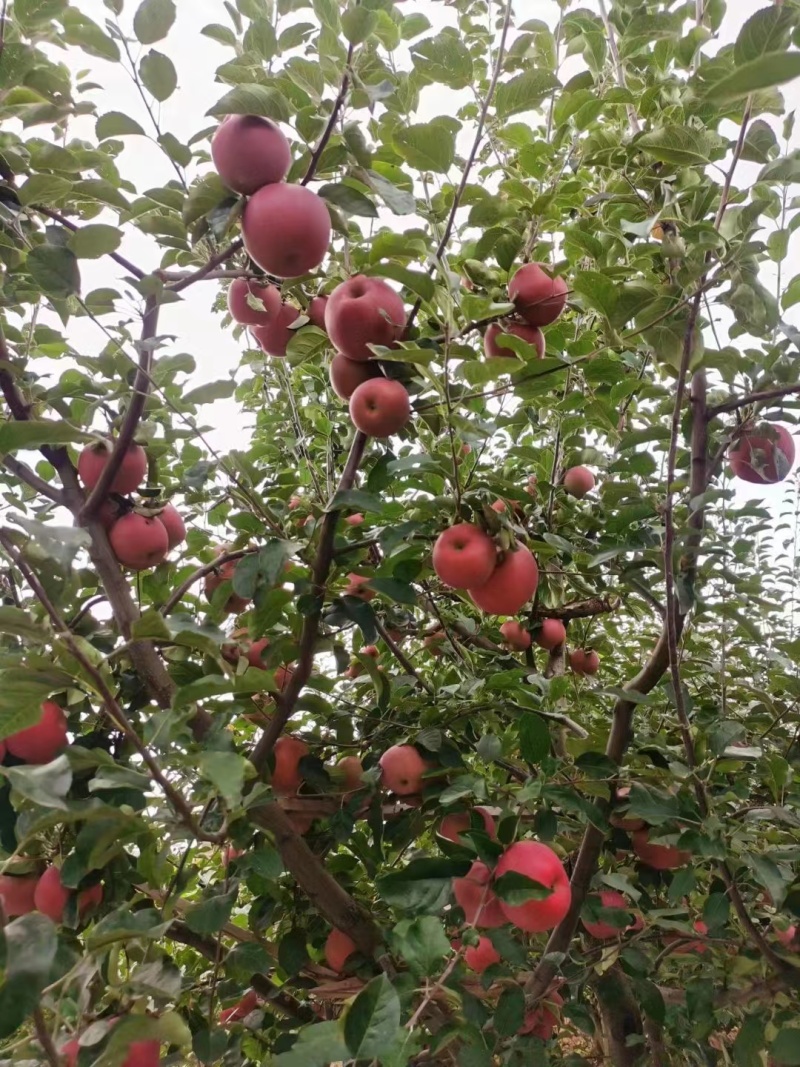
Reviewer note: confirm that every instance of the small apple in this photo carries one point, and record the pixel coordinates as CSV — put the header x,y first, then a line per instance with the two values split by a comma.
x,y
495,349
357,587
578,481
347,374
51,896
214,579
316,311
500,506
244,290
481,956
763,454
139,542
457,822
464,557
474,896
241,1010
402,769
512,584
540,863
250,152
93,459
687,948
350,771
610,898
42,742
18,893
380,407
170,518
354,520
785,937
338,950
286,230
659,857
286,777
363,311
584,661
539,297
515,635
274,336
552,633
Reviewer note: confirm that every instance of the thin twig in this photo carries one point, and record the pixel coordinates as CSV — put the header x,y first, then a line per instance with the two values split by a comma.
x,y
31,478
400,656
760,397
44,1038
226,557
332,120
202,272
633,120
73,228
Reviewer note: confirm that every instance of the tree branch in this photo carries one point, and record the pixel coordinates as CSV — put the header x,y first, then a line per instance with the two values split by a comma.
x,y
400,656
32,479
759,397
44,1038
579,609
71,226
334,115
633,120
203,272
207,568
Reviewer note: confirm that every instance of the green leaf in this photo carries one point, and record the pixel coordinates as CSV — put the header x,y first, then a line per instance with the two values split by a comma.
x,y
79,30
35,433
510,1011
126,925
168,1029
444,58
515,889
524,92
358,23
55,270
22,691
158,74
153,20
421,943
29,946
226,771
316,1046
253,99
94,241
44,189
426,146
774,68
210,915
348,199
399,201
749,1043
597,289
371,1022
400,592
46,785
19,623
292,952
681,145
785,1049
211,391
766,31
534,738
423,886
60,543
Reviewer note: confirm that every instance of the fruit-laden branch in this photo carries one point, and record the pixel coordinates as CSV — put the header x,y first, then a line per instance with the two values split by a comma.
x,y
31,478
487,101
760,397
140,391
579,609
207,268
207,568
111,706
320,569
324,892
332,120
137,272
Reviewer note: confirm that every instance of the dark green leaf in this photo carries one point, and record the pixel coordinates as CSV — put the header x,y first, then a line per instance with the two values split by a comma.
x,y
785,1049
773,68
349,200
211,915
55,270
428,146
372,1021
29,946
534,738
253,99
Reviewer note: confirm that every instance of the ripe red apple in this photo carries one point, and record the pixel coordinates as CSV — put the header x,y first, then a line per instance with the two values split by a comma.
x,y
578,481
481,956
402,769
380,407
286,777
354,520
17,892
433,642
170,518
347,374
338,950
620,821
659,857
241,1010
500,506
316,311
363,311
250,152
515,635
610,898
763,454
93,459
552,633
512,584
464,557
139,542
785,937
584,661
357,587
539,298
41,743
274,336
686,948
286,230
495,349
244,289
533,484
214,579
545,1017
476,899
540,863
456,823
51,896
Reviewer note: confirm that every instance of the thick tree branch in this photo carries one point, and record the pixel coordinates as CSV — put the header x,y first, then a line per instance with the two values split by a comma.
x,y
332,120
73,228
760,397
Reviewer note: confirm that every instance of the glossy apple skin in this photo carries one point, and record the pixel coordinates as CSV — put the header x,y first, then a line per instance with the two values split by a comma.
x,y
363,311
659,857
584,661
129,477
42,742
249,152
274,337
512,584
402,769
347,374
240,310
540,863
474,896
464,556
495,349
380,407
139,542
578,481
539,298
551,634
338,950
286,230
763,455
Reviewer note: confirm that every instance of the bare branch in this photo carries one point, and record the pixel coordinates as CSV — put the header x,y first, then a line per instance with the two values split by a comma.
x,y
580,609
332,120
207,268
760,397
400,656
44,1038
31,478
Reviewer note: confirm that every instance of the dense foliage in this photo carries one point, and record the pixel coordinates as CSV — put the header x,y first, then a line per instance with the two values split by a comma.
x,y
225,775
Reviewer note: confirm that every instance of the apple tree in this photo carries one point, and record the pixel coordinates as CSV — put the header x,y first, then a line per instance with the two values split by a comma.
x,y
407,674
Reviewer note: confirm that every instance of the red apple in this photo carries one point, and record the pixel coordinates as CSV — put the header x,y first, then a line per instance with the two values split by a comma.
x,y
495,349
283,675
338,950
584,661
357,587
540,863
316,311
456,823
347,374
244,290
286,230
659,857
241,1010
170,518
93,459
515,635
433,642
286,777
51,896
402,769
139,542
763,454
619,820
610,898
363,311
578,481
686,948
213,580
380,407
785,937
464,557
543,1020
354,520
552,633
274,337
18,892
481,956
512,584
500,506
539,297
250,152
476,899
41,743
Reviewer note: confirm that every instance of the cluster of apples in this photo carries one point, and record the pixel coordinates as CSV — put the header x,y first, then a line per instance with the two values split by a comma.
x,y
550,635
45,893
465,557
762,454
138,540
539,298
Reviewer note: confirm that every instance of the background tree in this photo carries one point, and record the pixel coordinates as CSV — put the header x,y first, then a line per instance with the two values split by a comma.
x,y
284,783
